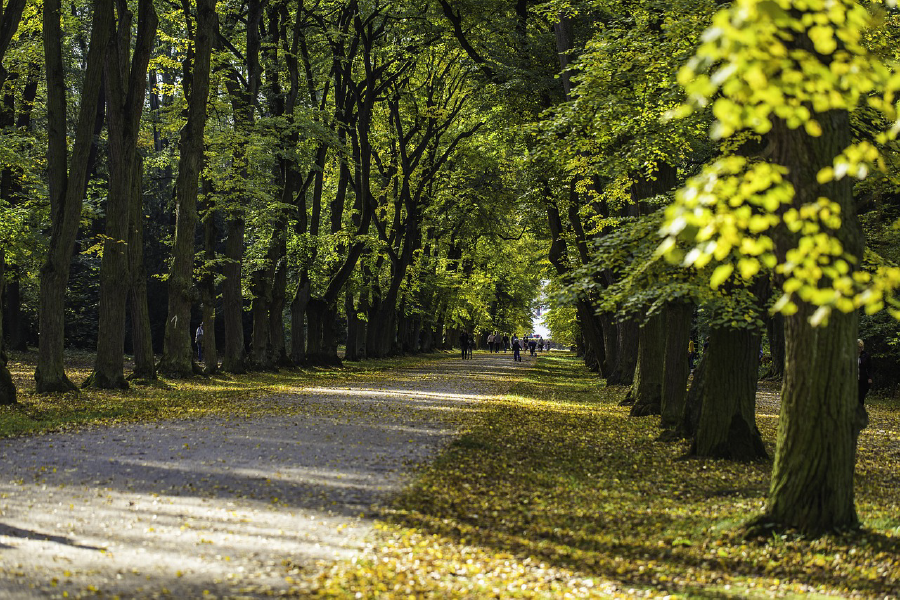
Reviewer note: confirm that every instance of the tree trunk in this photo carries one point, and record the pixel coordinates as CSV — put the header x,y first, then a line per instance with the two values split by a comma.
x,y
260,344
648,377
125,98
67,182
355,331
7,387
177,358
775,331
677,369
235,358
208,287
693,404
727,425
142,339
276,314
623,372
812,479
298,314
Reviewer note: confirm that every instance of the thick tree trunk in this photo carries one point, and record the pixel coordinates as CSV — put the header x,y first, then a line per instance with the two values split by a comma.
x,y
677,368
141,337
727,425
648,377
67,183
125,98
623,371
177,358
235,357
812,479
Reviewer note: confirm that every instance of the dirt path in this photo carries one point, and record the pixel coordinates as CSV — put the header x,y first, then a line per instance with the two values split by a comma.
x,y
229,508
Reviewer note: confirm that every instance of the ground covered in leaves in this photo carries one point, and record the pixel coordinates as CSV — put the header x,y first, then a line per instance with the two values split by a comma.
x,y
556,492
550,490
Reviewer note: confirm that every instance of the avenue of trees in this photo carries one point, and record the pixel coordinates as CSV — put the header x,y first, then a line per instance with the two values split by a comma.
x,y
299,174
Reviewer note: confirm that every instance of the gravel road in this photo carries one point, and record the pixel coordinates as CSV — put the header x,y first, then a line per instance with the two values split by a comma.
x,y
225,507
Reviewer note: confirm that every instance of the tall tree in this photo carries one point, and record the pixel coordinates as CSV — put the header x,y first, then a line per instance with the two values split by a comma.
x,y
67,183
177,358
798,214
126,85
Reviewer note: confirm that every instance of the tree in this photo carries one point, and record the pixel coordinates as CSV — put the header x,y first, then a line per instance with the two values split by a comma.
x,y
126,85
67,181
177,359
781,72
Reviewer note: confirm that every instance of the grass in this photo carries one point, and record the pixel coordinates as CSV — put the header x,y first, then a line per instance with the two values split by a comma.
x,y
222,394
555,492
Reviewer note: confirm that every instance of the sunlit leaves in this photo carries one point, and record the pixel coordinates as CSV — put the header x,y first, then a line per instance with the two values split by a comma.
x,y
763,60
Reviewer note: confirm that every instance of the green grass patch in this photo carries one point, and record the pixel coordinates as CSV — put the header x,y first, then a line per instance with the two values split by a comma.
x,y
556,492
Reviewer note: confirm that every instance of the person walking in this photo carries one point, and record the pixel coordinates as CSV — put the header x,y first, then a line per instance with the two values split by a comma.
x,y
464,343
491,339
505,343
517,357
198,339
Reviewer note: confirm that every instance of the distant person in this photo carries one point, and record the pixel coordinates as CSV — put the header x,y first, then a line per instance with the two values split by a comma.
x,y
692,354
865,371
198,339
464,343
532,345
505,343
516,346
540,344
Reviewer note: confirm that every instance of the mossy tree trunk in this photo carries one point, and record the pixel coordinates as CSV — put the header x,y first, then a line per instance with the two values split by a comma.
x,y
727,424
812,479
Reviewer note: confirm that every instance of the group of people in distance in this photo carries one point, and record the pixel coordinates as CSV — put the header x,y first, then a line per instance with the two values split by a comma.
x,y
497,342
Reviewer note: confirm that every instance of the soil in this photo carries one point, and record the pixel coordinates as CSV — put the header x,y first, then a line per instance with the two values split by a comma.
x,y
228,508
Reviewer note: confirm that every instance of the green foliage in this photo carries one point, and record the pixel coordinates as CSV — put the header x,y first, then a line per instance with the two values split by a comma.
x,y
761,61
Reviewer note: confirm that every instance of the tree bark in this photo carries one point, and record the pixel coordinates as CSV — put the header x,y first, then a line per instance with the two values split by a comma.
x,y
67,181
677,369
125,98
648,377
775,331
177,358
727,425
235,357
141,336
208,287
812,479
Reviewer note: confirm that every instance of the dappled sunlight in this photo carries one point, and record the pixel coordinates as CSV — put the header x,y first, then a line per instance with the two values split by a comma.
x,y
202,543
